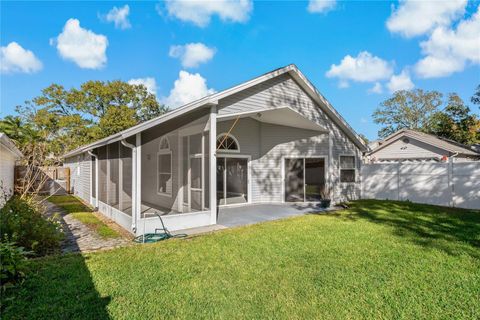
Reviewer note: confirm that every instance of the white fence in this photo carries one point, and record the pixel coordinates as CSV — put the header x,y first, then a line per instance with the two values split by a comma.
x,y
446,184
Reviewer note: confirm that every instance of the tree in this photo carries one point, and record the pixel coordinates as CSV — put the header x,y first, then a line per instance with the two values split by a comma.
x,y
63,120
116,119
476,96
407,109
455,122
364,138
17,130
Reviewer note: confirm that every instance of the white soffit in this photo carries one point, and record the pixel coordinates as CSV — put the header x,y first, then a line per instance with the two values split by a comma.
x,y
284,116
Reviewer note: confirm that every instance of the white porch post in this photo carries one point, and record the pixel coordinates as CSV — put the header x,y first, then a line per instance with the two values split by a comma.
x,y
138,169
213,164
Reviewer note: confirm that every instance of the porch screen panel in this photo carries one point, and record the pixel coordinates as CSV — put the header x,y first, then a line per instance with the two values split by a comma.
x,y
102,174
94,177
173,167
125,192
206,157
113,175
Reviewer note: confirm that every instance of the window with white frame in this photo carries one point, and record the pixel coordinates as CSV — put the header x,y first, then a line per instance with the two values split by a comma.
x,y
347,168
227,143
164,168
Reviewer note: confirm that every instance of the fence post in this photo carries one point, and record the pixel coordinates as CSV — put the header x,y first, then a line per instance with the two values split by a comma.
x,y
451,185
398,181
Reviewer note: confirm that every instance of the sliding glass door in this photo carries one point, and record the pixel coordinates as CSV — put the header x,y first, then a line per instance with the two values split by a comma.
x,y
232,180
304,179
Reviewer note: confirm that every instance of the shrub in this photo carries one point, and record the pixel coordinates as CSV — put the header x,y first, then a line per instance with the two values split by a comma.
x,y
12,264
22,222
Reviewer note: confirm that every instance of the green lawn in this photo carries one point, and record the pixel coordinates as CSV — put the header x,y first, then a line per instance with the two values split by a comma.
x,y
379,259
83,214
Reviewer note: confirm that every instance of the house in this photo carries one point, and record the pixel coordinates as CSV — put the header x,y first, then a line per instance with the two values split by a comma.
x,y
9,154
414,146
273,139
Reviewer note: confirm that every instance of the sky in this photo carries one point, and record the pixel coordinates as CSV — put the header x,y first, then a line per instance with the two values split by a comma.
x,y
356,53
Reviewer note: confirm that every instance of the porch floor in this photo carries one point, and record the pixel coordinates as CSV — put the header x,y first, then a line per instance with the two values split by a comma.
x,y
255,213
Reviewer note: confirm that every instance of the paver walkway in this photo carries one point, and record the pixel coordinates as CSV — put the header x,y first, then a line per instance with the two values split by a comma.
x,y
79,237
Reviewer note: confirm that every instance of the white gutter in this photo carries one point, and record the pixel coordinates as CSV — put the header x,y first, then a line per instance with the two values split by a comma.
x,y
134,182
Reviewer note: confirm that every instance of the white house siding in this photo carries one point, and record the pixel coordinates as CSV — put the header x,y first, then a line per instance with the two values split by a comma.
x,y
283,91
7,167
80,173
413,149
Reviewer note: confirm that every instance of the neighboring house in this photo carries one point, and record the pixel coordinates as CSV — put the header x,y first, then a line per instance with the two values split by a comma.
x,y
413,146
9,154
272,139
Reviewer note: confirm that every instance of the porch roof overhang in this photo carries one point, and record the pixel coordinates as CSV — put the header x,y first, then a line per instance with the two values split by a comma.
x,y
213,100
284,116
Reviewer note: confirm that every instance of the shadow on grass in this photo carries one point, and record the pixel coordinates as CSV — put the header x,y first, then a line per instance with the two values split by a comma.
x,y
58,287
452,230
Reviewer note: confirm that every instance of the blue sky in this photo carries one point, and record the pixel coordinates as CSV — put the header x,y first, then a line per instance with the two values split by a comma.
x,y
345,48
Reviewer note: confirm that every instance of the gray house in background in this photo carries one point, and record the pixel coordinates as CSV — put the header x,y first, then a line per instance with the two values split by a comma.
x,y
414,146
273,139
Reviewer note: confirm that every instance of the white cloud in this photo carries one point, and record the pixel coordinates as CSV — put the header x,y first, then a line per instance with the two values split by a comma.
x,y
363,68
412,17
192,54
400,82
448,51
319,6
82,46
187,88
200,12
148,82
377,88
14,58
119,16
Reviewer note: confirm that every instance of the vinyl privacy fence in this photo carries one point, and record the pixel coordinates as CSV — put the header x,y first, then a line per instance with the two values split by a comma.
x,y
455,184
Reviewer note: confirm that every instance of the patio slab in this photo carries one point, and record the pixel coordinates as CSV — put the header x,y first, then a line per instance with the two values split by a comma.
x,y
255,213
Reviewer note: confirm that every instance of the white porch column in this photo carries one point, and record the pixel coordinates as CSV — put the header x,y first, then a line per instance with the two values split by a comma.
x,y
138,169
213,164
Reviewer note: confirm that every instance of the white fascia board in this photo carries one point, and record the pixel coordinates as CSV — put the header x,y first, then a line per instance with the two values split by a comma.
x,y
10,146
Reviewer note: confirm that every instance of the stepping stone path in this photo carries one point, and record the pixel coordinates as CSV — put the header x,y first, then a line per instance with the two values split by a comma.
x,y
79,237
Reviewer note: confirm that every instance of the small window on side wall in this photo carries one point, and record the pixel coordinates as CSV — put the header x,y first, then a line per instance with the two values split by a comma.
x,y
164,168
347,169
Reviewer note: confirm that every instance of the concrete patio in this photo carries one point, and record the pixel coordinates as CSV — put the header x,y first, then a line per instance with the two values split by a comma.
x,y
255,213
236,216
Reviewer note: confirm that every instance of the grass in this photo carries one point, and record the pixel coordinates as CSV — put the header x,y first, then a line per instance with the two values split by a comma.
x,y
83,214
378,259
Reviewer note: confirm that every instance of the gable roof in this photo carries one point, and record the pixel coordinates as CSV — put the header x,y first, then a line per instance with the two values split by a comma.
x,y
439,142
9,145
213,99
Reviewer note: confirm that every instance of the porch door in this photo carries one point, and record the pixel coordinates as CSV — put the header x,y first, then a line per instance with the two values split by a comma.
x,y
232,180
304,179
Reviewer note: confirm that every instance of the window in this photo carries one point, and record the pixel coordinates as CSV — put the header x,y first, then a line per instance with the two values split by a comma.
x,y
347,168
164,168
227,143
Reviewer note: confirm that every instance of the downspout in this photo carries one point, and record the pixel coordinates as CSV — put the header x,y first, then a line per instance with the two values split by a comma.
x,y
96,176
134,182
